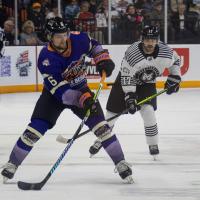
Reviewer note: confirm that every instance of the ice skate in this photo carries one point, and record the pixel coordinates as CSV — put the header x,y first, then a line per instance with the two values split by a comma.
x,y
8,171
154,151
94,149
125,171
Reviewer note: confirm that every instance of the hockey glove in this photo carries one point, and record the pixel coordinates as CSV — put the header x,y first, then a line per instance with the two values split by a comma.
x,y
131,102
86,101
104,63
172,84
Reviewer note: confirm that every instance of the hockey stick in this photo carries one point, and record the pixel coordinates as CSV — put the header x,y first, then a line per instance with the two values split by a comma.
x,y
64,140
38,186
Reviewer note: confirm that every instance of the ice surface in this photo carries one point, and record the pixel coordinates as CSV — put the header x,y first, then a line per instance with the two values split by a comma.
x,y
174,176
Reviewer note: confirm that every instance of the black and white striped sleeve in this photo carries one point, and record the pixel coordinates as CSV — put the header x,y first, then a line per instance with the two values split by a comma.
x,y
127,78
174,69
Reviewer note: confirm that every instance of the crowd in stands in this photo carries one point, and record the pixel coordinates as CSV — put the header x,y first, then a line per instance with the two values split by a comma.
x,y
128,18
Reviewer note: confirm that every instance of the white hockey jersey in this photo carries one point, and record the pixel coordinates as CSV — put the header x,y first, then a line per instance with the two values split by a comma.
x,y
138,68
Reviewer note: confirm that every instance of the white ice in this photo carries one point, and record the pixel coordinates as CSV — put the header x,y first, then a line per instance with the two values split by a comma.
x,y
174,176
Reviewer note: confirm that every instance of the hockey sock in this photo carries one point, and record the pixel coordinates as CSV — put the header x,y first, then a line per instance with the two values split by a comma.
x,y
113,148
34,131
151,130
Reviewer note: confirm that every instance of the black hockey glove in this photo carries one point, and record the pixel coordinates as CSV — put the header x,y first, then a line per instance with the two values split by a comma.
x,y
107,66
172,84
86,101
104,63
131,102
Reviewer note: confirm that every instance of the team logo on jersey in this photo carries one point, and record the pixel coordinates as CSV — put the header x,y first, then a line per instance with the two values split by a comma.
x,y
147,74
23,64
46,62
126,70
75,72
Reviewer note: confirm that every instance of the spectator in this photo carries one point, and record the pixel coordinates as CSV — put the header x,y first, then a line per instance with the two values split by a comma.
x,y
93,6
102,26
71,10
9,29
46,6
174,4
156,17
28,35
195,7
101,18
85,19
184,25
122,5
104,5
38,18
146,6
131,25
53,13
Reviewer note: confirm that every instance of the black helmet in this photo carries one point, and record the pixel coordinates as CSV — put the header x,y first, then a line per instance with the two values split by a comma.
x,y
150,32
55,25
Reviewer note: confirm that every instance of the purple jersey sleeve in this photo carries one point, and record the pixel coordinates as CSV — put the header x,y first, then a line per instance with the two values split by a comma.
x,y
50,69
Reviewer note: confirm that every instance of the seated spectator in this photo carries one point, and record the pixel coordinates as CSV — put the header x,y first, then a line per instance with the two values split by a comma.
x,y
9,30
28,35
71,10
184,25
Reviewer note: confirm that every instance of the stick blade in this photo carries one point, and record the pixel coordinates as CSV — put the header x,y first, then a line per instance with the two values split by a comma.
x,y
29,186
61,139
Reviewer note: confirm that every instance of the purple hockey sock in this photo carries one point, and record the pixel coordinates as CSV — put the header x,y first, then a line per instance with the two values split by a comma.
x,y
18,153
113,148
21,149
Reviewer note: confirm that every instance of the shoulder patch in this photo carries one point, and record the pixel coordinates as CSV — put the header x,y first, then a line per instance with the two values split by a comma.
x,y
46,62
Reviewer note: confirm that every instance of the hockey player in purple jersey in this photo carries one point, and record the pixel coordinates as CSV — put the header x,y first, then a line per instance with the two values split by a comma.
x,y
61,64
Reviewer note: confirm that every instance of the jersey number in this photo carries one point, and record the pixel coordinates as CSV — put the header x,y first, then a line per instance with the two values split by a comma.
x,y
52,81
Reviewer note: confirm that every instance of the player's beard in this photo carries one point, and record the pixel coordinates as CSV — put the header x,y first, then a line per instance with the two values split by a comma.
x,y
61,47
149,49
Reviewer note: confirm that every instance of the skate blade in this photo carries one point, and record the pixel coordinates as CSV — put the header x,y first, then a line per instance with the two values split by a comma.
x,y
155,157
92,155
129,179
5,180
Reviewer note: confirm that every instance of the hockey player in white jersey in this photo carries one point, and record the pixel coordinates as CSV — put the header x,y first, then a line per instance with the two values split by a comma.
x,y
142,63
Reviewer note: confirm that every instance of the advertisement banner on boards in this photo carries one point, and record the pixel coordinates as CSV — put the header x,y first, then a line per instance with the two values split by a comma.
x,y
18,66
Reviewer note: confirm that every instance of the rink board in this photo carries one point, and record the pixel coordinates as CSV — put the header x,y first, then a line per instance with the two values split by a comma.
x,y
18,68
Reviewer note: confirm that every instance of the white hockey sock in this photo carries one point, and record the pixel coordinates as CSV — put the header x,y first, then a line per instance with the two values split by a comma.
x,y
151,130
